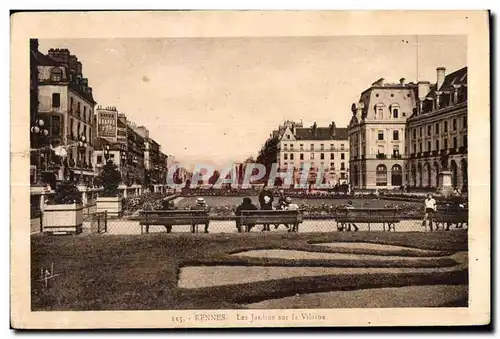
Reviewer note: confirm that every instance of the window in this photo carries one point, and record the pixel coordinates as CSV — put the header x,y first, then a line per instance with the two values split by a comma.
x,y
414,148
429,130
56,74
395,151
312,147
429,146
341,147
465,140
395,113
291,147
455,143
464,121
414,133
380,135
381,174
420,132
332,157
342,166
454,124
445,143
312,156
342,156
288,136
420,147
71,105
285,146
437,128
322,156
301,147
56,100
55,126
446,126
285,156
332,147
437,145
332,165
99,159
301,156
395,135
380,113
291,156
322,147
342,175
381,149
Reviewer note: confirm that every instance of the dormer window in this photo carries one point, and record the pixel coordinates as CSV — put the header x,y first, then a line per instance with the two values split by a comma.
x,y
288,136
56,74
379,111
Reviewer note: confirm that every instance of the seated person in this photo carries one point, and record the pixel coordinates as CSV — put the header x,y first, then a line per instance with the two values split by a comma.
x,y
246,205
200,205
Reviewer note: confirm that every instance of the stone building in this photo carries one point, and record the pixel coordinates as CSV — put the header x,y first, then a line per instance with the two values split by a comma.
x,y
66,105
436,134
377,133
314,147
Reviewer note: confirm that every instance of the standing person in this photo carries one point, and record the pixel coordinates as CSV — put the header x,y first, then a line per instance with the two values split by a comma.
x,y
266,204
200,205
351,207
246,205
430,209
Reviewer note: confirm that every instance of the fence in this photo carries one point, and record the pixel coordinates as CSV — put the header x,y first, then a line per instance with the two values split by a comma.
x,y
95,222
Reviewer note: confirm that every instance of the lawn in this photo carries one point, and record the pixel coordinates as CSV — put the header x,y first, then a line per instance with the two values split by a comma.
x,y
140,272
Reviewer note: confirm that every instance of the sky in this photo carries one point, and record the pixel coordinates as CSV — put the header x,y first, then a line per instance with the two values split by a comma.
x,y
216,100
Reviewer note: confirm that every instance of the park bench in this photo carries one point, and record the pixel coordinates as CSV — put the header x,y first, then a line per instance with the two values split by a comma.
x,y
260,217
389,216
169,218
450,217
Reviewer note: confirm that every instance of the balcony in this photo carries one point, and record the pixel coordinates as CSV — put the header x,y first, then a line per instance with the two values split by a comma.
x,y
396,156
434,153
462,150
426,154
381,156
413,155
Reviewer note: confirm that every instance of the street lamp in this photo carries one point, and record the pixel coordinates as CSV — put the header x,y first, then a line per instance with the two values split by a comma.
x,y
106,153
38,133
82,147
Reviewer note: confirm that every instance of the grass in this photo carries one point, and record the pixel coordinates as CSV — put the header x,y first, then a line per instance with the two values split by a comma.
x,y
139,272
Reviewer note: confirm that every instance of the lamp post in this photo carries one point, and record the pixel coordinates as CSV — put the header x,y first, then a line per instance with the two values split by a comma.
x,y
134,162
106,153
123,159
38,133
82,147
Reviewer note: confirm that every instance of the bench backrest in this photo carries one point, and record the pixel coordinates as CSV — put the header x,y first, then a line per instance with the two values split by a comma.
x,y
270,216
173,217
368,214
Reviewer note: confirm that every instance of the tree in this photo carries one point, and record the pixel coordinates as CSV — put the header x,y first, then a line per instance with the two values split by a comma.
x,y
110,178
67,193
268,155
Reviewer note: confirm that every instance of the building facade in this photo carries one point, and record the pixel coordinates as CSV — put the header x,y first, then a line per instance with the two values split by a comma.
x,y
377,134
436,134
66,105
314,147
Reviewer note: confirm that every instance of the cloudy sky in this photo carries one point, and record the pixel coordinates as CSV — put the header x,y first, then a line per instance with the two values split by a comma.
x,y
215,100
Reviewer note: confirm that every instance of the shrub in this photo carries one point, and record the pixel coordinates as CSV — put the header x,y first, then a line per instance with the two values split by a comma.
x,y
110,179
67,193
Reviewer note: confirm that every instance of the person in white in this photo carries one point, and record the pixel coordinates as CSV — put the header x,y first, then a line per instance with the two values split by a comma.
x,y
430,209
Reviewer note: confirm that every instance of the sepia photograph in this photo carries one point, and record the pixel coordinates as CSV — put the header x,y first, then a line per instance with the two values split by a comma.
x,y
252,180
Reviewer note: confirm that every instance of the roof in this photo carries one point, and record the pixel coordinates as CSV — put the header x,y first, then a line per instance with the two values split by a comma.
x,y
322,133
43,60
459,77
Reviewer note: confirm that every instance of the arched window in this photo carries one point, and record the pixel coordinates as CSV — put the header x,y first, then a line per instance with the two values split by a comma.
x,y
56,74
396,175
381,175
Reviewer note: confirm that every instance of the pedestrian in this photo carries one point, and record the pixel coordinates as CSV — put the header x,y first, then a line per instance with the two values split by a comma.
x,y
350,207
246,205
430,209
289,206
200,205
266,204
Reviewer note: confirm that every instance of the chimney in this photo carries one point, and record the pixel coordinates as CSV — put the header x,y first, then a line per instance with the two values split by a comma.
x,y
379,82
423,89
441,74
332,128
402,81
314,128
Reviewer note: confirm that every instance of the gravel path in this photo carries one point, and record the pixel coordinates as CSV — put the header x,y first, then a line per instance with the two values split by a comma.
x,y
205,276
372,246
293,254
408,296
